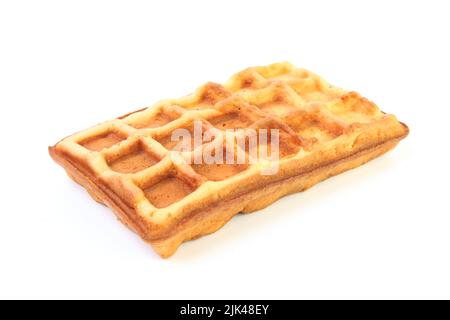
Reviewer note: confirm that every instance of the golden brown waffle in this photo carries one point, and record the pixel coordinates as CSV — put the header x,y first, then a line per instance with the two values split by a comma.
x,y
127,163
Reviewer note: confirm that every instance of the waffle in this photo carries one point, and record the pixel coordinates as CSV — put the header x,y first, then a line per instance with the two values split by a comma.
x,y
129,163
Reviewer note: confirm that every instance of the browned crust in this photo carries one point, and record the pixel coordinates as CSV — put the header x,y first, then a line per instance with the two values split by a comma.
x,y
100,192
210,219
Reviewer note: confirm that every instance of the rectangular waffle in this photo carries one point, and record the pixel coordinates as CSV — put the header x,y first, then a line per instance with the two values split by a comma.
x,y
128,163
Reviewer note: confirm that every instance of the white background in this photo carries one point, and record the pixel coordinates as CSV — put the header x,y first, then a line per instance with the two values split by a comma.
x,y
379,231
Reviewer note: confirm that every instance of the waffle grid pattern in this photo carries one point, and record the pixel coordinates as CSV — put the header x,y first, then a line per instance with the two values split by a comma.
x,y
132,154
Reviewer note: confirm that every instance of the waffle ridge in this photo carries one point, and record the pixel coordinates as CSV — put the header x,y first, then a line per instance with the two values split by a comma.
x,y
128,164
